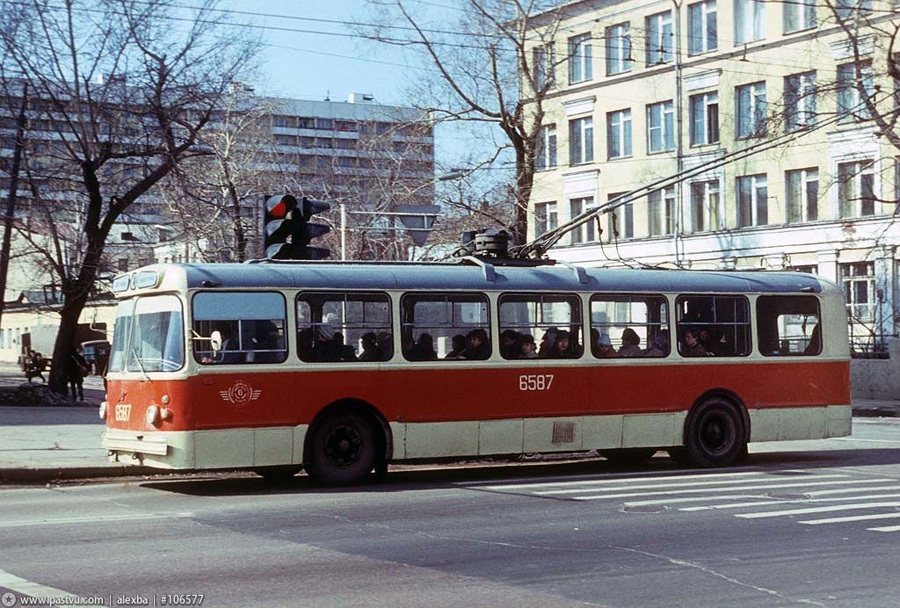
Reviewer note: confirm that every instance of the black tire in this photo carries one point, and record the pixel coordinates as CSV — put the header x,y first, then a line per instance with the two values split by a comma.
x,y
343,450
629,455
276,475
715,434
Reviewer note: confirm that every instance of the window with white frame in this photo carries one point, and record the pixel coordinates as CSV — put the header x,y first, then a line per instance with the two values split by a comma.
x,y
587,232
705,206
580,58
621,220
543,67
618,134
850,104
660,127
749,21
661,211
856,188
618,49
545,218
702,27
581,141
658,39
848,9
752,201
799,101
858,279
802,195
704,117
799,15
545,155
750,110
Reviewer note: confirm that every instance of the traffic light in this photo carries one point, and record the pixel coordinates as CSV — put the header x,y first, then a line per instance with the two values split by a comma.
x,y
287,230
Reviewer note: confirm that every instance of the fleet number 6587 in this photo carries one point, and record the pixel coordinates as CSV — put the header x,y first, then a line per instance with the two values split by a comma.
x,y
535,382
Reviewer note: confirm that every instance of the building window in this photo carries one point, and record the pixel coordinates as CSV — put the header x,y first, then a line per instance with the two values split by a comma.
x,y
545,156
587,232
848,9
702,27
705,206
858,280
752,201
621,219
581,141
799,101
618,49
580,58
660,127
543,67
661,209
856,188
325,124
122,264
850,104
618,134
799,15
544,218
802,194
658,39
704,116
749,21
750,110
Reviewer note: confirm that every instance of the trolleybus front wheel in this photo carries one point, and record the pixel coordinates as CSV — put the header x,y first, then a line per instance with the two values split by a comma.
x,y
344,450
715,434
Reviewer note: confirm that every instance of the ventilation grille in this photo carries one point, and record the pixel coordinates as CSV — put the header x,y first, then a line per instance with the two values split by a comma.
x,y
563,432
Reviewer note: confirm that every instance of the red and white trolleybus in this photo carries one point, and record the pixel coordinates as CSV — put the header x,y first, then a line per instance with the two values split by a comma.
x,y
342,368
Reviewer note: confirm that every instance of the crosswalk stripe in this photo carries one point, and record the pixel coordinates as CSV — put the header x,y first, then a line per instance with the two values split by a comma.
x,y
866,505
626,480
766,503
851,518
885,529
731,489
776,500
717,482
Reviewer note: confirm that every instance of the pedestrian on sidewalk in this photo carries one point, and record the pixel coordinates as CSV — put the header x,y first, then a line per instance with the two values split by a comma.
x,y
75,372
35,366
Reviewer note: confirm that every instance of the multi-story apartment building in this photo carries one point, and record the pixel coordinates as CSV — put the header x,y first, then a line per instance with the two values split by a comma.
x,y
645,90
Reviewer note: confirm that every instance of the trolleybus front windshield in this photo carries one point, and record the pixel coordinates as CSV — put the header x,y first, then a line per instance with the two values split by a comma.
x,y
148,336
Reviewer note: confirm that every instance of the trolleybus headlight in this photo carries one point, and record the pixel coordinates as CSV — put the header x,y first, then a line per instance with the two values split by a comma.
x,y
165,400
103,410
153,416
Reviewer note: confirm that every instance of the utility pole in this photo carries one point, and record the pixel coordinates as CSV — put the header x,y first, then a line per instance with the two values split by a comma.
x,y
11,200
679,134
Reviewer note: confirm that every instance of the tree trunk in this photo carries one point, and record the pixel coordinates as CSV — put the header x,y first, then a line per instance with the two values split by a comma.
x,y
524,183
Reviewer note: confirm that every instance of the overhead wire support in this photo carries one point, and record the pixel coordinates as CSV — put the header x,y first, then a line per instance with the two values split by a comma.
x,y
539,245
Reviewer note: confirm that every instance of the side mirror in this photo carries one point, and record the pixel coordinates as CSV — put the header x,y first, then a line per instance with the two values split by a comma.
x,y
215,341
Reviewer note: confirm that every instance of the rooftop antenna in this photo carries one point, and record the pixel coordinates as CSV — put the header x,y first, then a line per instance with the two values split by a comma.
x,y
328,95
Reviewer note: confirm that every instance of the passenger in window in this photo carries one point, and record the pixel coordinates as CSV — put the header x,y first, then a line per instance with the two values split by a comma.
x,y
720,346
305,343
423,349
457,347
527,347
477,345
605,348
815,342
692,346
266,347
346,351
325,348
564,347
631,344
230,352
510,344
656,347
548,343
370,350
386,345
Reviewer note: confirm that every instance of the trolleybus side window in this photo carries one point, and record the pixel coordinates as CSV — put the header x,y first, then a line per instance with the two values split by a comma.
x,y
713,326
344,327
550,322
251,324
445,327
788,325
629,326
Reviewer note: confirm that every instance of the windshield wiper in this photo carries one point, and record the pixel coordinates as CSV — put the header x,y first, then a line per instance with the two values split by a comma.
x,y
140,363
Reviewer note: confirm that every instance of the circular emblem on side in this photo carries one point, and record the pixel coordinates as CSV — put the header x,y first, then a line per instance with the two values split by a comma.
x,y
240,393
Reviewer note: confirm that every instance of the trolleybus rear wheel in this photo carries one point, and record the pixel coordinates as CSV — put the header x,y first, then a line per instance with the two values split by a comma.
x,y
343,451
715,435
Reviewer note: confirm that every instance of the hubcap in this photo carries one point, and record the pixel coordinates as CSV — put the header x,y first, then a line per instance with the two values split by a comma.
x,y
343,446
717,434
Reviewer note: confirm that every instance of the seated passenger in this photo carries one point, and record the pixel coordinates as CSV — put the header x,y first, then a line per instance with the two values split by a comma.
x,y
230,352
564,347
631,344
547,343
477,345
370,350
346,351
527,347
305,343
457,347
656,348
423,349
509,344
386,345
325,348
605,348
692,346
267,347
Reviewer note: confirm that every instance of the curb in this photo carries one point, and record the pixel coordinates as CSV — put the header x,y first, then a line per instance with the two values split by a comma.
x,y
30,475
876,411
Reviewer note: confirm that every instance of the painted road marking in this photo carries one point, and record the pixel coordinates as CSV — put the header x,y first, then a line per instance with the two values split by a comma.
x,y
788,512
25,587
773,486
849,518
715,482
90,519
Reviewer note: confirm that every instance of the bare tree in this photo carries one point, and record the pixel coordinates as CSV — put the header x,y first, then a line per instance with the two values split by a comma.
x,y
124,88
493,66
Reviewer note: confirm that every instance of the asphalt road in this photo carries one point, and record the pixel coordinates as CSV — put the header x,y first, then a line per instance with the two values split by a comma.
x,y
814,523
